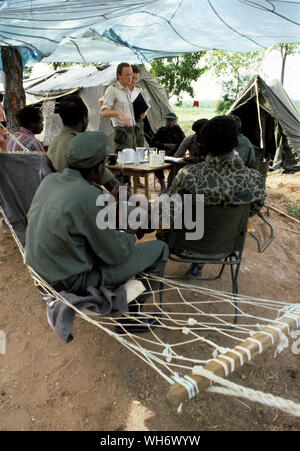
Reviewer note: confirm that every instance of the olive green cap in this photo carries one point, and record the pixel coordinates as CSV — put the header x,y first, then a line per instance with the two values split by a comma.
x,y
87,149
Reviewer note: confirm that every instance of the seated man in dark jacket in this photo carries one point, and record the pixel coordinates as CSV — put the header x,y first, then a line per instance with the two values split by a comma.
x,y
167,138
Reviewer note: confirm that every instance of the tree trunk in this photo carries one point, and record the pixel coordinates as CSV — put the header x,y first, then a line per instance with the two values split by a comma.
x,y
14,96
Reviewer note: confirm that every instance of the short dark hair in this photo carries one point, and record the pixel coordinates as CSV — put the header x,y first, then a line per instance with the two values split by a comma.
x,y
135,69
72,109
237,121
29,114
1,96
199,124
120,68
220,135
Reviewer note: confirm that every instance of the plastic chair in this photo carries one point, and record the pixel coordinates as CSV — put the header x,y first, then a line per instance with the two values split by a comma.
x,y
222,244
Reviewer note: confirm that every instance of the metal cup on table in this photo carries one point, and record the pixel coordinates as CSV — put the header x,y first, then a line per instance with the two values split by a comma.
x,y
136,157
141,153
162,154
121,159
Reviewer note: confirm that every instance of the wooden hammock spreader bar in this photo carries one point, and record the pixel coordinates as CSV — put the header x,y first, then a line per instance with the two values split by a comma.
x,y
246,351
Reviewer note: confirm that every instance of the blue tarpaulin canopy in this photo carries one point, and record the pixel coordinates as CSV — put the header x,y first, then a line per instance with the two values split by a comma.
x,y
140,30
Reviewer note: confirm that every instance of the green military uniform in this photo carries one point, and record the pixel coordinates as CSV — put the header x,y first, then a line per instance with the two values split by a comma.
x,y
124,138
63,239
168,135
139,133
246,151
57,152
223,181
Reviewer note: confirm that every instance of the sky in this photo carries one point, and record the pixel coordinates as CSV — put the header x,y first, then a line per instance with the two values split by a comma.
x,y
208,88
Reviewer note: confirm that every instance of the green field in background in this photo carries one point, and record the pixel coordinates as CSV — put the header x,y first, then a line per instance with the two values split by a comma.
x,y
187,115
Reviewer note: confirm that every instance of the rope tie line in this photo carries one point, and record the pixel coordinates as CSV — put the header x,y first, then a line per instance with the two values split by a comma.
x,y
278,329
282,343
231,360
239,354
224,365
259,343
294,317
167,352
253,395
186,330
193,383
189,384
247,351
269,335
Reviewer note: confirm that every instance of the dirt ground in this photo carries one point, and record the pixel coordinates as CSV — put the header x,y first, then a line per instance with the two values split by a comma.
x,y
94,383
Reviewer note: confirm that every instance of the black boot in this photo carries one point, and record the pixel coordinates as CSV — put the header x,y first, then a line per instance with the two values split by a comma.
x,y
194,271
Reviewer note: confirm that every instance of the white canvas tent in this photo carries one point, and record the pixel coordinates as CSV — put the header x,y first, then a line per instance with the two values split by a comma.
x,y
91,83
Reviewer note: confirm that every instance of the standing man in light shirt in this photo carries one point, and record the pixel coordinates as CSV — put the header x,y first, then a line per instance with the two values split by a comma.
x,y
117,105
139,123
134,92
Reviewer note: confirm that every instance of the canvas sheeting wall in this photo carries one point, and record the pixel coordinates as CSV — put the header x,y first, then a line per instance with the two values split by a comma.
x,y
17,190
91,84
271,121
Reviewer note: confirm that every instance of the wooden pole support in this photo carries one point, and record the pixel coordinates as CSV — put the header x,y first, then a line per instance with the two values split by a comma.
x,y
283,213
258,342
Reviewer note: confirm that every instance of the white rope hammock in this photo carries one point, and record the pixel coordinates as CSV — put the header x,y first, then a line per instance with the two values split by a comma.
x,y
194,343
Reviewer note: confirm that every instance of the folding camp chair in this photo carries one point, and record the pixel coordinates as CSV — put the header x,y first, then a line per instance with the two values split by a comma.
x,y
222,244
262,167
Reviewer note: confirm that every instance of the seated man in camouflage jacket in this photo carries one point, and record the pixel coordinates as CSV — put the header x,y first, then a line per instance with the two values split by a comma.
x,y
222,177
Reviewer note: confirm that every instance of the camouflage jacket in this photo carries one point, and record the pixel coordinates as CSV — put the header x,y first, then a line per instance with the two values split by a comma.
x,y
225,182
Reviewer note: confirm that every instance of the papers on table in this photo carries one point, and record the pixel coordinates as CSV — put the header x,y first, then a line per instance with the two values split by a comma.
x,y
174,160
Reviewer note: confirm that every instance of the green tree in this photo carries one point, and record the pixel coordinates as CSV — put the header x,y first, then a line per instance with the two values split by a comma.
x,y
286,50
234,69
176,74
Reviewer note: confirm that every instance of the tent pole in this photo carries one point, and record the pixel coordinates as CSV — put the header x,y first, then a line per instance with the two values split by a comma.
x,y
258,115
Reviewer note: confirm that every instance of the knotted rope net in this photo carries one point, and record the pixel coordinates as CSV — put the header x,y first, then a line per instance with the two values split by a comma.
x,y
194,344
